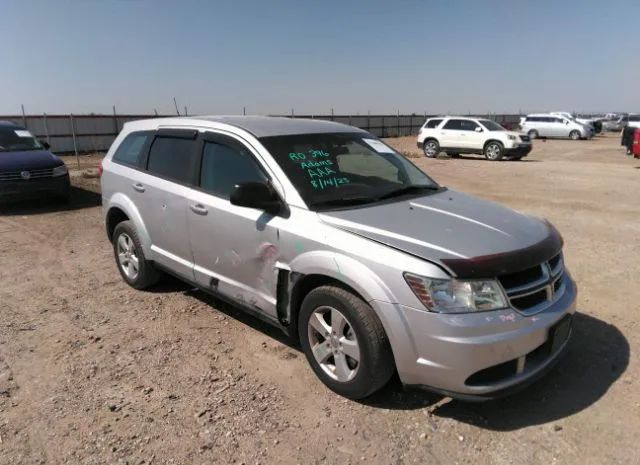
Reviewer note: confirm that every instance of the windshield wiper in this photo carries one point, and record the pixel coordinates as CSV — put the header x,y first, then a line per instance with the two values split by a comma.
x,y
345,201
408,190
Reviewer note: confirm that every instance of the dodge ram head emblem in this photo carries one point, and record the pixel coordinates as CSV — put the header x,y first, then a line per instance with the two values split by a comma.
x,y
25,175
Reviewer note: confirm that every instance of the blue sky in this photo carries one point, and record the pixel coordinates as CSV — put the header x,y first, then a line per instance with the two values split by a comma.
x,y
353,56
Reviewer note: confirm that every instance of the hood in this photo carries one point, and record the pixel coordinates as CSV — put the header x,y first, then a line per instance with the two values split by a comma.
x,y
467,236
28,160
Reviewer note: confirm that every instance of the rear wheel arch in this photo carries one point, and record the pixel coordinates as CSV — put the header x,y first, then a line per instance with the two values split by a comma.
x,y
115,216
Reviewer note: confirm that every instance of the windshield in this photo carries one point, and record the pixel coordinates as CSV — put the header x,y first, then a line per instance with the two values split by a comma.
x,y
491,125
342,169
15,139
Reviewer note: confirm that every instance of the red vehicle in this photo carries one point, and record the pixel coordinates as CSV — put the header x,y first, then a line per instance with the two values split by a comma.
x,y
636,143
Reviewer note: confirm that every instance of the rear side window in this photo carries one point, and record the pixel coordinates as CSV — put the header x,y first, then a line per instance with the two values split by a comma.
x,y
634,118
432,123
173,158
225,164
131,148
453,124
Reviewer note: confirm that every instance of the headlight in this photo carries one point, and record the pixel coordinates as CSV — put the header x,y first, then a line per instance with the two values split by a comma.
x,y
510,137
456,296
60,171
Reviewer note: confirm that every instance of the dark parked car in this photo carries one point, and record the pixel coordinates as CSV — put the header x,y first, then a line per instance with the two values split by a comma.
x,y
27,168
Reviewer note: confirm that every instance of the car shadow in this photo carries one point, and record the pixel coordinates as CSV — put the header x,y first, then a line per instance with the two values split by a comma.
x,y
482,158
170,284
597,355
79,198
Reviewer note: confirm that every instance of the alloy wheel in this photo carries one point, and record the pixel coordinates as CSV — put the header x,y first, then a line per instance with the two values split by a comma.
x,y
334,344
493,151
127,256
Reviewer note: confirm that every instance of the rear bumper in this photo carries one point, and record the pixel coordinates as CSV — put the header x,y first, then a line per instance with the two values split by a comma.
x,y
34,188
477,355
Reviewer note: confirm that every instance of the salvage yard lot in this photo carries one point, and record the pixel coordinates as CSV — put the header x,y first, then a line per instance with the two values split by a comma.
x,y
94,372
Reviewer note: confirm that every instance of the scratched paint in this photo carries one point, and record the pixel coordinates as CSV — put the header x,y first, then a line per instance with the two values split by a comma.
x,y
509,317
267,255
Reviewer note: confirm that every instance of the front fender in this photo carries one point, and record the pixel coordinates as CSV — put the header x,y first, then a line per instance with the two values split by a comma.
x,y
346,270
124,203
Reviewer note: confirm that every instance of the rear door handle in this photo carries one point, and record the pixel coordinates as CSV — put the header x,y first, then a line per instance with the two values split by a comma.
x,y
199,209
139,187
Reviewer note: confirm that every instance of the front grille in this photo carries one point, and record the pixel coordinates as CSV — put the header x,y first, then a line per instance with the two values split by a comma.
x,y
26,174
533,289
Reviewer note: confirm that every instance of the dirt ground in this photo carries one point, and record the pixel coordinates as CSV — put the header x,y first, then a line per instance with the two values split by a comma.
x,y
94,372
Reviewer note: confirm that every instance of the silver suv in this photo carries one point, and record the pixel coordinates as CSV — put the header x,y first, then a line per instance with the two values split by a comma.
x,y
331,235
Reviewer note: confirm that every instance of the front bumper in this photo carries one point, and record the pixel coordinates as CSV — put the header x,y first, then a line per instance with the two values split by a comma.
x,y
476,355
34,188
519,150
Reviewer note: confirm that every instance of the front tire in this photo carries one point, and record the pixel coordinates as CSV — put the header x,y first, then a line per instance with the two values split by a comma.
x,y
493,151
136,271
574,135
344,342
431,148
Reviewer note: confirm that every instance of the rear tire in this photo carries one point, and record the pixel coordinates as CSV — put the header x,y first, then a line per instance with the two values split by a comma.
x,y
344,342
574,135
431,148
493,151
134,268
533,134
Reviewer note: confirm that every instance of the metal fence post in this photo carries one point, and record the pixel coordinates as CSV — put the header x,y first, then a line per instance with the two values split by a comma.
x,y
398,122
368,120
46,128
24,118
115,122
332,114
73,134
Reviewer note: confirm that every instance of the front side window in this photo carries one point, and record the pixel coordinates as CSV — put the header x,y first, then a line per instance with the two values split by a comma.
x,y
172,158
226,164
467,125
491,125
16,139
131,147
344,169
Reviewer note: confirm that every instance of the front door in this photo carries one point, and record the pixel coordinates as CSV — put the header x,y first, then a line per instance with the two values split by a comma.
x,y
452,135
234,248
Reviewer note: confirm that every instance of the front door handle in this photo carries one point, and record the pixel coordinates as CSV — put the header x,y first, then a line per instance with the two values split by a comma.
x,y
199,209
139,187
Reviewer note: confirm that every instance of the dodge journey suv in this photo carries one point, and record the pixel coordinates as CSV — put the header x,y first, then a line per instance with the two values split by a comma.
x,y
328,233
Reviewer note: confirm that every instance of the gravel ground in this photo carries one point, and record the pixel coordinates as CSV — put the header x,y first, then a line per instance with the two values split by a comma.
x,y
93,372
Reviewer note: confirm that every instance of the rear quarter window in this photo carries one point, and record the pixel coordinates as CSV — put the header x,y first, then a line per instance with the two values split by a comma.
x,y
433,123
131,147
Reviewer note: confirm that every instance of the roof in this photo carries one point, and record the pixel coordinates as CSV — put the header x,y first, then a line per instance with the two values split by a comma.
x,y
265,126
4,124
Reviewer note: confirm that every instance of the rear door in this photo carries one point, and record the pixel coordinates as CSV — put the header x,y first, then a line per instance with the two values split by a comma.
x,y
161,192
234,248
451,134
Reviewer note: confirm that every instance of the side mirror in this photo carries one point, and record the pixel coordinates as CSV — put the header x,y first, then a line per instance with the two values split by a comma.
x,y
478,129
45,144
566,122
259,195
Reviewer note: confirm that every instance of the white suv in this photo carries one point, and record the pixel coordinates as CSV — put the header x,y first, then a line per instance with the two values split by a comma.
x,y
457,134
